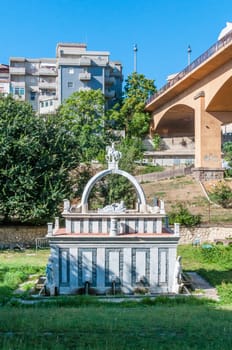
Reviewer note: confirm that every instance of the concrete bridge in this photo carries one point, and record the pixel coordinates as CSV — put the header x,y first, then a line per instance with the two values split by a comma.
x,y
196,103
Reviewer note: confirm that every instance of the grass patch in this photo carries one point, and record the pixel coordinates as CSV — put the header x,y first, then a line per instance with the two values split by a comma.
x,y
116,327
17,267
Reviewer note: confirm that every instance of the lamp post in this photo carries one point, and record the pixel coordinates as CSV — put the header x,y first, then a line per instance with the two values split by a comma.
x,y
189,54
135,57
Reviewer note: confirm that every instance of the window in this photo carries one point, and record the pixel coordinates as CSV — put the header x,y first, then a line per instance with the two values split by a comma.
x,y
46,104
42,104
71,71
18,91
51,103
33,95
70,84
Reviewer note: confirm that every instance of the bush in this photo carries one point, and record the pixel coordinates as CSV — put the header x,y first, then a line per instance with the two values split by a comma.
x,y
182,216
147,169
225,292
222,195
156,141
217,254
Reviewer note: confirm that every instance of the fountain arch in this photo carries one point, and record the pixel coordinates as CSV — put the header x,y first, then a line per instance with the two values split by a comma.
x,y
100,175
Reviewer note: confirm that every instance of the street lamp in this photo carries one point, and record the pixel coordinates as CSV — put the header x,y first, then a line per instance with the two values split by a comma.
x,y
135,57
189,54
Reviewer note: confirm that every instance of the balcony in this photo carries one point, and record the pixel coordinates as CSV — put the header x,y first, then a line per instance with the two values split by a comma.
x,y
85,61
100,61
116,73
47,85
110,81
46,97
48,71
34,88
17,84
109,93
85,76
17,70
32,71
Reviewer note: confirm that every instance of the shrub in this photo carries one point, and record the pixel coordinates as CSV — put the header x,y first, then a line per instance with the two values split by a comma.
x,y
217,254
222,194
225,292
156,141
182,215
147,169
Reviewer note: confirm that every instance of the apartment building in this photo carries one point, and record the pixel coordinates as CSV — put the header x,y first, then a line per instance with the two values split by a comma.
x,y
47,82
4,79
79,69
35,81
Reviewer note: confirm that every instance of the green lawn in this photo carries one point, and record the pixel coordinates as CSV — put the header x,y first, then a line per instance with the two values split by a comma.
x,y
116,327
78,322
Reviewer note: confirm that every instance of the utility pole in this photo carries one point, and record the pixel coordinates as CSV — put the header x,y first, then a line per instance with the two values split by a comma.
x,y
135,57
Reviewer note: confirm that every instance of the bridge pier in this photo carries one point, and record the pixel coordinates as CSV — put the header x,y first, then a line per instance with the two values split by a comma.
x,y
208,163
205,174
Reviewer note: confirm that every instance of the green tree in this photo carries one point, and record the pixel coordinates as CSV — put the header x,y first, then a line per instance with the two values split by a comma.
x,y
36,155
83,112
137,90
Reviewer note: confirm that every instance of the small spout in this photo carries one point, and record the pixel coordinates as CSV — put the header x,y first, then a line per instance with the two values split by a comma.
x,y
113,287
87,285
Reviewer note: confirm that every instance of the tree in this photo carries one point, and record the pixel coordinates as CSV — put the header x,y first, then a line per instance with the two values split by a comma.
x,y
83,112
137,90
36,156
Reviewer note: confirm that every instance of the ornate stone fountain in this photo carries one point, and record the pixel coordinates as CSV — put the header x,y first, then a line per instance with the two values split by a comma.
x,y
112,248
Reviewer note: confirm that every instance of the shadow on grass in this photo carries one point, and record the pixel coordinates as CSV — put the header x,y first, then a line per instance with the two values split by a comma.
x,y
222,281
216,277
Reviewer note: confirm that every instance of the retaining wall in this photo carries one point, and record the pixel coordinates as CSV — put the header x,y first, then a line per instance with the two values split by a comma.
x,y
10,236
204,233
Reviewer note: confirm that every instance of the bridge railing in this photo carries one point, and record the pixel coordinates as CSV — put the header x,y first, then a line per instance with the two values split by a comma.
x,y
197,62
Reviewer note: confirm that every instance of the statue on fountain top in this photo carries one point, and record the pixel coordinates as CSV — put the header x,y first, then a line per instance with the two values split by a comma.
x,y
113,208
112,156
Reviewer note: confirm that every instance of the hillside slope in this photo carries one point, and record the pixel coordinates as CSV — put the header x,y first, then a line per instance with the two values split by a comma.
x,y
187,190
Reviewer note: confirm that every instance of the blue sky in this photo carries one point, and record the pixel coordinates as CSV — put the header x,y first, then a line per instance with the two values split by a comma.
x,y
162,29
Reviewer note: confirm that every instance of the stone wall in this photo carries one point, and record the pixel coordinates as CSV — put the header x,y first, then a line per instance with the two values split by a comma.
x,y
204,233
11,236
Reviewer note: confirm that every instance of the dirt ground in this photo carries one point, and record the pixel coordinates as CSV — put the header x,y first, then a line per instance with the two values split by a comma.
x,y
188,191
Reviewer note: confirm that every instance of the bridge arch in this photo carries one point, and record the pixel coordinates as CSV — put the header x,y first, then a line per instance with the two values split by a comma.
x,y
100,175
176,121
220,104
